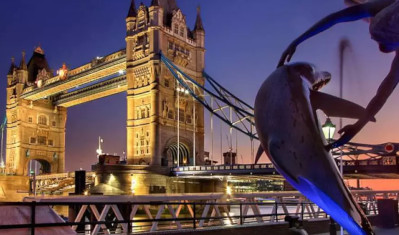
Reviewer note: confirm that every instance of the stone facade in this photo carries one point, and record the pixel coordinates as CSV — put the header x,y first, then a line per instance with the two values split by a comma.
x,y
152,95
35,129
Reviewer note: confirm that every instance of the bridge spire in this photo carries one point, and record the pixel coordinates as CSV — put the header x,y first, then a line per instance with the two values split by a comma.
x,y
132,10
12,66
154,3
22,65
198,22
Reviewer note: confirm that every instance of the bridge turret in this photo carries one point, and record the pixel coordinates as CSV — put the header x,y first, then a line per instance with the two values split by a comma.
x,y
156,13
22,71
131,17
10,74
199,31
22,64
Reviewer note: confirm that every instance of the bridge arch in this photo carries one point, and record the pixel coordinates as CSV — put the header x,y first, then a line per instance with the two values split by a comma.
x,y
171,150
44,166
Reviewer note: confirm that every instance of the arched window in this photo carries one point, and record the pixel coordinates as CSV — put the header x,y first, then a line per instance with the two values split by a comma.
x,y
42,120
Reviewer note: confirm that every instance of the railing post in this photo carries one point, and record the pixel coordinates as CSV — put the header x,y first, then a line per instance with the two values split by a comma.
x,y
33,218
129,224
275,211
194,217
241,220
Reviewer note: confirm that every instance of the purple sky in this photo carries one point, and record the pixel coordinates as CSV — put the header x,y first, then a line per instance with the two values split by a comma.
x,y
244,40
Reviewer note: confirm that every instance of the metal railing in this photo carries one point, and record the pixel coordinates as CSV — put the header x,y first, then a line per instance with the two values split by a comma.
x,y
197,215
125,217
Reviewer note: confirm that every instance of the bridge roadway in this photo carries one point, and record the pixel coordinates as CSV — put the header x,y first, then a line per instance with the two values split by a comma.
x,y
100,68
386,167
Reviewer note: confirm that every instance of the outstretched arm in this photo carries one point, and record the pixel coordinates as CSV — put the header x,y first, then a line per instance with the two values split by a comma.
x,y
346,15
384,91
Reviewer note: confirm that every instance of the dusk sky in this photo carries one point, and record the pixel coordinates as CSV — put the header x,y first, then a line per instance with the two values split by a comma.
x,y
244,41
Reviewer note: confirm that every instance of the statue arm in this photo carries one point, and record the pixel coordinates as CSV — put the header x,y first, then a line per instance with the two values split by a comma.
x,y
384,91
346,15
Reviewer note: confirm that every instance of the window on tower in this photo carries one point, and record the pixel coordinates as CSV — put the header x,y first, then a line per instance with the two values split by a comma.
x,y
42,120
41,140
182,31
176,29
143,114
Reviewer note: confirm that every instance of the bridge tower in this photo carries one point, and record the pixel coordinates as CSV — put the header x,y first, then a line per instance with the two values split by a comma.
x,y
152,94
35,129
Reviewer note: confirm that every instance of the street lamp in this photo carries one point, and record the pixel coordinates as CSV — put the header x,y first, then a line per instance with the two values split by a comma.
x,y
328,129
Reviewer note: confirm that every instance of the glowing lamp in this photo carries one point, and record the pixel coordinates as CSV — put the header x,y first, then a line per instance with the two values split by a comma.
x,y
328,129
132,185
389,148
63,72
39,83
229,190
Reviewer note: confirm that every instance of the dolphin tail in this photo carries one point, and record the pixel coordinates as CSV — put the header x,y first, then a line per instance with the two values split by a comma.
x,y
333,106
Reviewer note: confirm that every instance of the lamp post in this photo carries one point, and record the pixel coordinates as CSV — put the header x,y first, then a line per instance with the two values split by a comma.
x,y
328,130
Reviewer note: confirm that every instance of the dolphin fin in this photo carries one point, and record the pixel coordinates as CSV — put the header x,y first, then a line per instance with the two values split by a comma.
x,y
334,106
259,153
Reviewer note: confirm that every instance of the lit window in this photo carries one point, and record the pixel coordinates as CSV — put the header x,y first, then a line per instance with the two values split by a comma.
x,y
41,140
30,119
170,114
42,120
54,123
50,142
143,113
181,115
170,46
32,140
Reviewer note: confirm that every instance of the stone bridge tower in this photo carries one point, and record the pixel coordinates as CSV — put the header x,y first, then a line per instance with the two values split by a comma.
x,y
152,105
35,129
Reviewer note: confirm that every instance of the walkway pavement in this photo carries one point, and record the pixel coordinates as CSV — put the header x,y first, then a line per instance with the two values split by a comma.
x,y
378,231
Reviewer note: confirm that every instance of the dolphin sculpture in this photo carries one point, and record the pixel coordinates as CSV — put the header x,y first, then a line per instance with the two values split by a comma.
x,y
290,134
